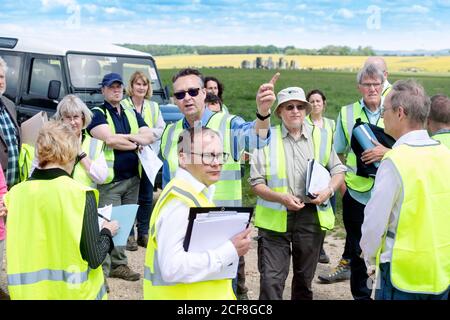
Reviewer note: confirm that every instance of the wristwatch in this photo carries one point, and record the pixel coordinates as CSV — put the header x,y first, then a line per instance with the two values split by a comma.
x,y
260,117
81,156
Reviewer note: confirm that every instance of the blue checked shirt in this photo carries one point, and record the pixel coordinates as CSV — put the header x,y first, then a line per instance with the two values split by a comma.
x,y
10,134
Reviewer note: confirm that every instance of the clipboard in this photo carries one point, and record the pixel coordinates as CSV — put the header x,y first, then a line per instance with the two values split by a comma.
x,y
216,212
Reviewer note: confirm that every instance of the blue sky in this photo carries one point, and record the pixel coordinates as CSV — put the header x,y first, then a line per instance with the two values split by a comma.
x,y
384,25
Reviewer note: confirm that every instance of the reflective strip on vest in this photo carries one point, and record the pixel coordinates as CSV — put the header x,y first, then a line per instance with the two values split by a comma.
x,y
50,275
101,294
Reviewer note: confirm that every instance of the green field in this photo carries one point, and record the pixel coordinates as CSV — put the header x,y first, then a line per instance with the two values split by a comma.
x,y
339,87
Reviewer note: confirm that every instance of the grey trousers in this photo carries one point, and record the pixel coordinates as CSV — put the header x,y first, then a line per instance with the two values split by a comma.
x,y
302,241
117,193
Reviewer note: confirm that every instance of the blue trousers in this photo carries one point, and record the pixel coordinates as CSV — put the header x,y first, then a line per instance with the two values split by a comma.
x,y
388,292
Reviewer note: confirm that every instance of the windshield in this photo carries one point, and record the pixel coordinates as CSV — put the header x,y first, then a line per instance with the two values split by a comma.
x,y
87,71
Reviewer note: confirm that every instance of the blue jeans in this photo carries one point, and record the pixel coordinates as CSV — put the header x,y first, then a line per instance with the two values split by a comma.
x,y
388,292
145,206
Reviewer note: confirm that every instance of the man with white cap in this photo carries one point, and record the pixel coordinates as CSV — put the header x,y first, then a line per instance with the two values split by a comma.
x,y
289,222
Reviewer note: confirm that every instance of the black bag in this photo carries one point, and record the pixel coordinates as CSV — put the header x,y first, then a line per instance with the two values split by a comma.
x,y
386,140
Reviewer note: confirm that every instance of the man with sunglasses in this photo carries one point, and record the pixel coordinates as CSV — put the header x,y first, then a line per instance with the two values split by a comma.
x,y
237,136
170,272
291,224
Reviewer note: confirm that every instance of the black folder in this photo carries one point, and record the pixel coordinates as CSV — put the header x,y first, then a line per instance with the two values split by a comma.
x,y
215,211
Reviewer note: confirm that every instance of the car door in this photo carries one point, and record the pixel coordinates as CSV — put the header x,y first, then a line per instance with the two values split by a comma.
x,y
40,70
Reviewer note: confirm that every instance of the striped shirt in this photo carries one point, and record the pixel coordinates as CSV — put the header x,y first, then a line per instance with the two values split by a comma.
x,y
10,134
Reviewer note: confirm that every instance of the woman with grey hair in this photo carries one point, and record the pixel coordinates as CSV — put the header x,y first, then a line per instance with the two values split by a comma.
x,y
91,167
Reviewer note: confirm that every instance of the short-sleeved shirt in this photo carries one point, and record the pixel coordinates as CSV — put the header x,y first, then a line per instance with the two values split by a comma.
x,y
125,162
297,152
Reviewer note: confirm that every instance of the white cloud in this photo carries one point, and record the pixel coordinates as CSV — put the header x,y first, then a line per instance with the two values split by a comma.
x,y
47,4
117,11
91,8
345,13
302,6
419,9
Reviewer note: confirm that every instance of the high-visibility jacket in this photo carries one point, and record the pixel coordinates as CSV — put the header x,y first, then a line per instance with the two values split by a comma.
x,y
273,215
109,152
155,288
349,114
45,220
443,138
229,187
420,261
26,157
320,135
386,91
150,110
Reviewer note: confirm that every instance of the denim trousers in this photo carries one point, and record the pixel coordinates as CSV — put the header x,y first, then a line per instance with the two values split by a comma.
x,y
387,291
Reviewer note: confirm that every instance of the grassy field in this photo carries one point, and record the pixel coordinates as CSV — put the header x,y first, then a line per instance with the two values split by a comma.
x,y
430,64
339,87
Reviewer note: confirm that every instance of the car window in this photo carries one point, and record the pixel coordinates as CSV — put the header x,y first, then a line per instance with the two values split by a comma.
x,y
43,71
12,74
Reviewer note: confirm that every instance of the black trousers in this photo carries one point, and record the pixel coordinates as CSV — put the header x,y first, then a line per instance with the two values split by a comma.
x,y
302,240
353,214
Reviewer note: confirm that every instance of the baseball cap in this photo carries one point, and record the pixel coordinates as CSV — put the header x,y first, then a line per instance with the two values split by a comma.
x,y
293,93
110,78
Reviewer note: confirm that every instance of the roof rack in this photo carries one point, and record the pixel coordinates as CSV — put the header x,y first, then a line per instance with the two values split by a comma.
x,y
8,43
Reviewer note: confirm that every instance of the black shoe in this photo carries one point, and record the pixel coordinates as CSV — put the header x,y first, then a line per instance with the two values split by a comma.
x,y
142,240
131,244
323,258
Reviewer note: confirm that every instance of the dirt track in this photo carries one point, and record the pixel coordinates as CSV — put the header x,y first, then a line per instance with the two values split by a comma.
x,y
125,290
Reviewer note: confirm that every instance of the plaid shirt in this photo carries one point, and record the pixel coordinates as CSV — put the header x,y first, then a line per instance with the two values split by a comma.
x,y
10,134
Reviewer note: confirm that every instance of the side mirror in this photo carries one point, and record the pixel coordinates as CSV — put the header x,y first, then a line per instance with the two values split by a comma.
x,y
54,88
167,91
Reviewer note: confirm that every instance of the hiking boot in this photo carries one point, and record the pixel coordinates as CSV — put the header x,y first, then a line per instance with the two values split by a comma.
x,y
125,273
131,244
340,273
142,240
323,258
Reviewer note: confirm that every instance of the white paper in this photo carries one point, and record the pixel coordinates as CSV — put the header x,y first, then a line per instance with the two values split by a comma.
x,y
210,231
150,162
320,178
106,212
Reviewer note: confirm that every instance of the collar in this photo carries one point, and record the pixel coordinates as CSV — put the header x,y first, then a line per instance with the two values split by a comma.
x,y
304,133
207,114
415,138
48,174
110,107
376,112
197,186
386,85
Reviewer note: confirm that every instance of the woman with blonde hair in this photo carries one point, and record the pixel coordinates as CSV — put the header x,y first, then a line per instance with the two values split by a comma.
x,y
139,91
55,248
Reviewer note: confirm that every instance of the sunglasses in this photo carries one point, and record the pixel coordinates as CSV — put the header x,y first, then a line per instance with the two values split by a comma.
x,y
193,92
299,107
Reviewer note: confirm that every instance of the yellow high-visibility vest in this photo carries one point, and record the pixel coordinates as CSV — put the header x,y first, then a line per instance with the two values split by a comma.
x,y
420,261
45,220
155,288
150,110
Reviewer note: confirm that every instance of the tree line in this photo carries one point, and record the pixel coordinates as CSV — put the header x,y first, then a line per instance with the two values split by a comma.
x,y
167,50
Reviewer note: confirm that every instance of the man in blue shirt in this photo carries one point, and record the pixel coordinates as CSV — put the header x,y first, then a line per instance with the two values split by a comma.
x,y
123,131
238,135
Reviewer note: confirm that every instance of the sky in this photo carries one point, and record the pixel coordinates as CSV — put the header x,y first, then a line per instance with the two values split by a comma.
x,y
383,25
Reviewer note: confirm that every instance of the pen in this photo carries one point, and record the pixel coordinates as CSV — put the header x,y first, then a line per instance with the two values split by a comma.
x,y
103,217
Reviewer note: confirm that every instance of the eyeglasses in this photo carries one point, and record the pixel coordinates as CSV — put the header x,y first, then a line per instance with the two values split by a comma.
x,y
299,107
74,118
208,158
193,92
368,85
